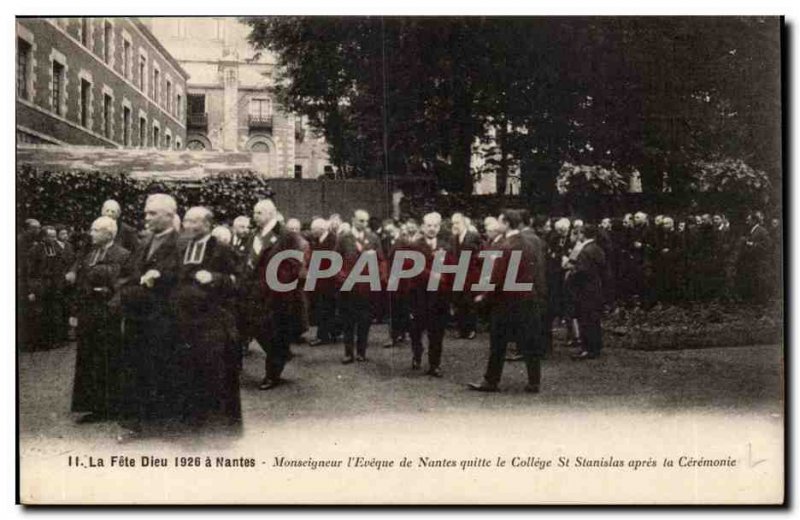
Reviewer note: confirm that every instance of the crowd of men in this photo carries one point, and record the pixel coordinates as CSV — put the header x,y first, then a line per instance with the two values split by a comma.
x,y
163,316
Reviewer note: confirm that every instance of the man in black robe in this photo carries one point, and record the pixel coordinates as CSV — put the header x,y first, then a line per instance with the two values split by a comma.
x,y
207,346
151,393
96,390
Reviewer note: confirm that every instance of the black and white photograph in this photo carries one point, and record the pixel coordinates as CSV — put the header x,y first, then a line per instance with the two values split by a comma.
x,y
400,260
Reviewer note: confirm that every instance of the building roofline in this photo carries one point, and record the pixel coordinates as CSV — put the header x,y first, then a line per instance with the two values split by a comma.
x,y
158,45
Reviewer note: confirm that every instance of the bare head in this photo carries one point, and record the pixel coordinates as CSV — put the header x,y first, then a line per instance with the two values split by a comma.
x,y
492,227
293,225
562,226
431,224
241,226
111,209
335,220
222,234
668,223
318,227
103,231
159,212
458,223
264,212
360,220
640,218
197,221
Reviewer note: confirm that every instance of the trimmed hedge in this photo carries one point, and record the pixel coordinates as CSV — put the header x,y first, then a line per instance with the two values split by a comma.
x,y
76,197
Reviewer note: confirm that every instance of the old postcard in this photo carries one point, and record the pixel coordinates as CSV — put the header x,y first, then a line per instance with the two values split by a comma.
x,y
400,260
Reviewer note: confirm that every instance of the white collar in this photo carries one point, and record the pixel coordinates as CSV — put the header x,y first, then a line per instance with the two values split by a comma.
x,y
512,232
202,240
323,237
163,233
497,238
462,235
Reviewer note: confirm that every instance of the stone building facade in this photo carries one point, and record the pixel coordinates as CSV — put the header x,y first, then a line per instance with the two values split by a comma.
x,y
97,82
229,106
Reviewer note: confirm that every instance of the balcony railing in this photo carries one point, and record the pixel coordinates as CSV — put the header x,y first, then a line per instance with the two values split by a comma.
x,y
197,120
260,122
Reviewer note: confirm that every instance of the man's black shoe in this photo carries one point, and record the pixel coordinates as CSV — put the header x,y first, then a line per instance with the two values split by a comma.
x,y
347,360
514,357
581,356
415,364
532,389
316,342
361,358
269,384
483,387
434,372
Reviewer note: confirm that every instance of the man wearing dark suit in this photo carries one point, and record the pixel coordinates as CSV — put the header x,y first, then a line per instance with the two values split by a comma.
x,y
239,240
207,347
430,310
96,387
46,267
127,237
150,392
463,304
515,314
356,302
322,239
241,235
399,300
272,316
557,249
539,267
752,267
588,272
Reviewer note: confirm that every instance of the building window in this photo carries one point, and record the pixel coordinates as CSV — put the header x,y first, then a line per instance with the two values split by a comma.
x,y
177,143
298,171
261,108
107,115
178,105
126,126
86,103
142,132
107,35
168,141
156,142
58,87
23,60
169,97
328,170
197,103
156,78
142,72
86,26
195,144
126,59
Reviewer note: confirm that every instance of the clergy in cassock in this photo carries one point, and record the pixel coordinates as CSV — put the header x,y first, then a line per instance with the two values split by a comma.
x,y
95,392
207,347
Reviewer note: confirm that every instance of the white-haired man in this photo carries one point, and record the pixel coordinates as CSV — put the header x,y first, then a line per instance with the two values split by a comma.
x,y
356,303
430,310
98,362
558,247
273,317
151,392
463,305
323,239
127,236
241,234
206,326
